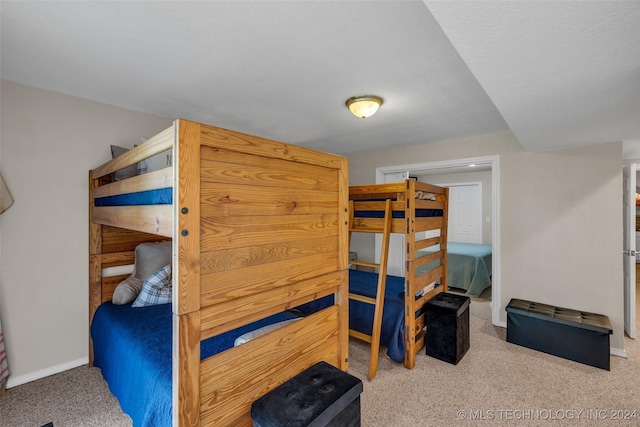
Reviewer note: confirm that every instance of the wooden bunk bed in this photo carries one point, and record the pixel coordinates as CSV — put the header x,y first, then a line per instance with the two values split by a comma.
x,y
257,227
416,207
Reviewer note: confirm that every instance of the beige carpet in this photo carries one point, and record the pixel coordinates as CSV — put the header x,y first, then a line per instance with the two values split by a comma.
x,y
496,383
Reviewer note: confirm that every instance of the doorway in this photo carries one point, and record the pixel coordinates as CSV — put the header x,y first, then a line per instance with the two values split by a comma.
x,y
491,162
465,212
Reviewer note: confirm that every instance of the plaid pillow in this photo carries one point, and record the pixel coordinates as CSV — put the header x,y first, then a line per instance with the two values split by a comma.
x,y
156,289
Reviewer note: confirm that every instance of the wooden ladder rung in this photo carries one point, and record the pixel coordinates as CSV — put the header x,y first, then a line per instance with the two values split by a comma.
x,y
367,230
362,298
364,263
360,335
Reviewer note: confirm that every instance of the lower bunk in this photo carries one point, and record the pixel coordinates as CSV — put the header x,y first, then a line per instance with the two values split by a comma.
x,y
132,347
393,332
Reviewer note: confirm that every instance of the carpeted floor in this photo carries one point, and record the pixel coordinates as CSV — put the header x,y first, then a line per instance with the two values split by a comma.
x,y
496,383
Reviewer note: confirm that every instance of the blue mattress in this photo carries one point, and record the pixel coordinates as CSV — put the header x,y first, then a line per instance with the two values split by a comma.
x,y
361,314
420,213
163,196
132,347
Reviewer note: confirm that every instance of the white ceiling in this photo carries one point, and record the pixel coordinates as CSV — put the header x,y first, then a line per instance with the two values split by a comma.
x,y
555,73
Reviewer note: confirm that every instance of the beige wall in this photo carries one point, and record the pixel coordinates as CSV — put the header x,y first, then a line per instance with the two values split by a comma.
x,y
49,142
560,219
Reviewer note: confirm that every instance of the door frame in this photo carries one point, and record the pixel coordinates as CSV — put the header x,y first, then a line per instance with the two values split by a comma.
x,y
494,162
630,169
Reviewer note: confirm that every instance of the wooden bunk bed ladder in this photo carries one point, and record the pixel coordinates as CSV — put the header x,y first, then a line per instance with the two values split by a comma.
x,y
378,301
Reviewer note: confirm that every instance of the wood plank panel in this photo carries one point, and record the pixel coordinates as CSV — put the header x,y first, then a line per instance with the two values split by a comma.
x,y
188,232
115,239
237,200
225,166
157,144
186,369
429,188
426,259
429,204
95,266
259,230
109,286
342,301
398,225
230,284
232,258
232,380
378,206
378,191
426,243
428,223
220,318
153,219
229,140
95,294
427,277
155,180
115,259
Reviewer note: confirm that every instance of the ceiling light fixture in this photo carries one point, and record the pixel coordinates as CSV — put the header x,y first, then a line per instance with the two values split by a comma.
x,y
364,106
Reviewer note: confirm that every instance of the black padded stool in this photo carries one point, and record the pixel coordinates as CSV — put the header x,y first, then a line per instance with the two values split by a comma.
x,y
321,396
447,327
571,334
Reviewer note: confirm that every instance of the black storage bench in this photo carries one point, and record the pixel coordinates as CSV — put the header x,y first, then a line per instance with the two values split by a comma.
x,y
571,334
447,320
320,396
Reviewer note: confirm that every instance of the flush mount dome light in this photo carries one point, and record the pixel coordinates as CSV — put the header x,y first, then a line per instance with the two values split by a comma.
x,y
364,106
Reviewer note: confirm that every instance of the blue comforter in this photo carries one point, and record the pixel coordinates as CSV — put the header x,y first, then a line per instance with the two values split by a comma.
x,y
361,314
132,347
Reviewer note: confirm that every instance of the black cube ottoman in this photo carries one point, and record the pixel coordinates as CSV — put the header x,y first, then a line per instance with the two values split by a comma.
x,y
447,327
320,396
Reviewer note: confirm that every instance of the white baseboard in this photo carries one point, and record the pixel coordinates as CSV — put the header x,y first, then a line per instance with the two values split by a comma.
x,y
27,378
619,352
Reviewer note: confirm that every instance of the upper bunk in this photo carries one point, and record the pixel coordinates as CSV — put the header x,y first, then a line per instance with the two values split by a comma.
x,y
416,206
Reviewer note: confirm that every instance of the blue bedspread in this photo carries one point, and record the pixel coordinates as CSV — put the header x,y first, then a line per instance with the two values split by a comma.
x,y
361,314
132,347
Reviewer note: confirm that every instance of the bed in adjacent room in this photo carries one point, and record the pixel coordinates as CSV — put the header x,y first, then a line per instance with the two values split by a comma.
x,y
469,266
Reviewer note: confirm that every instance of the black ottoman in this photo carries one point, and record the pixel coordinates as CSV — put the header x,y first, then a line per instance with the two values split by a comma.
x,y
571,334
320,396
447,327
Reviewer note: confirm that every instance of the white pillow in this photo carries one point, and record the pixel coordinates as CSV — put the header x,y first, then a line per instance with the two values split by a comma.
x,y
126,291
260,332
156,289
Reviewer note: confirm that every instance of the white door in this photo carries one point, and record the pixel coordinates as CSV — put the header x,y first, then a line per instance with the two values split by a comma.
x,y
465,213
629,250
395,263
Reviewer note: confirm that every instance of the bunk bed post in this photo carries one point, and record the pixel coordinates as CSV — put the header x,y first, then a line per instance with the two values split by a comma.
x,y
186,274
444,237
345,212
409,291
95,262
